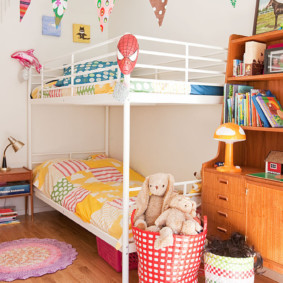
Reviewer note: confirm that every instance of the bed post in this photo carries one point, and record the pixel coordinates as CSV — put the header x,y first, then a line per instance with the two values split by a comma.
x,y
106,136
126,168
29,152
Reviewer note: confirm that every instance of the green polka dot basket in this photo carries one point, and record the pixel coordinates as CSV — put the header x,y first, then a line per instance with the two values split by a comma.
x,y
220,269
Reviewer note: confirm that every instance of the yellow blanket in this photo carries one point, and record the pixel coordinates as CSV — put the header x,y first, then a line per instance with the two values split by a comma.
x,y
92,189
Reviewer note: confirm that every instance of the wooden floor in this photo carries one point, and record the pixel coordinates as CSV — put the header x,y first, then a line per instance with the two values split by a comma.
x,y
88,267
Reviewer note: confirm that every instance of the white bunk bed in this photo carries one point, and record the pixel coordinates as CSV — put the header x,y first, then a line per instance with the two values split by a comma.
x,y
151,67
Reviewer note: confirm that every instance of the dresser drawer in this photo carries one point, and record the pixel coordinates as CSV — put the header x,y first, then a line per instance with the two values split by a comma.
x,y
222,222
224,191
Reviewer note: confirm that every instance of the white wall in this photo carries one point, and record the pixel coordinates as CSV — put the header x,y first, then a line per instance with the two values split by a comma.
x,y
13,95
176,139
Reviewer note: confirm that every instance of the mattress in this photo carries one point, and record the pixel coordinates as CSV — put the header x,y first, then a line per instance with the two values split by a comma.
x,y
92,189
137,86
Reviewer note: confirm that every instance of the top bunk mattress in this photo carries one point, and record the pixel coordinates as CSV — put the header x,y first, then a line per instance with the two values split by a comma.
x,y
136,86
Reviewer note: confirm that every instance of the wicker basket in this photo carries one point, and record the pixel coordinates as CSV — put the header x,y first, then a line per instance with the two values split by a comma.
x,y
178,263
228,269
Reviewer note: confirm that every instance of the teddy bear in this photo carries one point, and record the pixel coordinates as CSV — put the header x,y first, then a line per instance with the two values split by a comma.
x,y
177,219
153,199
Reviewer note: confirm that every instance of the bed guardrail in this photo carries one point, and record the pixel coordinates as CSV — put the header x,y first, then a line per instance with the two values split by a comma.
x,y
158,58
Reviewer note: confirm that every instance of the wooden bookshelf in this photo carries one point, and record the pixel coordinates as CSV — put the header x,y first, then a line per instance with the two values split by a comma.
x,y
259,201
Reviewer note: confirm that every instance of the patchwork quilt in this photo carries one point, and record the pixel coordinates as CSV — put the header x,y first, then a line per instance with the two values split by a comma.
x,y
92,189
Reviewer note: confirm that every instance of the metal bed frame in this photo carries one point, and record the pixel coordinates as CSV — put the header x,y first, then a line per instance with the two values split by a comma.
x,y
107,100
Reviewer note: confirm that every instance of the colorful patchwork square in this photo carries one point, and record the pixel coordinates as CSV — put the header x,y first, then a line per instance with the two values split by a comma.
x,y
69,167
73,198
107,174
106,75
61,189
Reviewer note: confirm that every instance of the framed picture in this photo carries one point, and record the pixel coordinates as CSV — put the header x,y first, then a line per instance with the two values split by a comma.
x,y
273,60
268,16
49,26
81,33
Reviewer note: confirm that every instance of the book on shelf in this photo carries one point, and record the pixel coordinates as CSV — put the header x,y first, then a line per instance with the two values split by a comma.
x,y
269,106
260,114
8,212
8,216
231,102
13,188
241,106
14,221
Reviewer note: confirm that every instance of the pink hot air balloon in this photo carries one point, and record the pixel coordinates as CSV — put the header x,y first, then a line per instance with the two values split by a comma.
x,y
27,59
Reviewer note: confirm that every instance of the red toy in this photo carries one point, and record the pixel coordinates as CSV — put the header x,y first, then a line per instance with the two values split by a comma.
x,y
127,54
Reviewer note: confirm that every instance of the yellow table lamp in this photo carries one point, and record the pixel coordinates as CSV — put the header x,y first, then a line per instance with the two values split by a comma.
x,y
229,133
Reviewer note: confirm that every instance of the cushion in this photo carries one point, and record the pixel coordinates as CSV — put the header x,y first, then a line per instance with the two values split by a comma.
x,y
89,78
97,156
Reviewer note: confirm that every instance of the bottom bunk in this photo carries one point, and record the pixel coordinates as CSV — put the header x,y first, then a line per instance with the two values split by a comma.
x,y
89,192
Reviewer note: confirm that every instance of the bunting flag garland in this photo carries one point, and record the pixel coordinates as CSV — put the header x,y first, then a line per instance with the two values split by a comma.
x,y
233,2
24,4
59,7
104,9
159,7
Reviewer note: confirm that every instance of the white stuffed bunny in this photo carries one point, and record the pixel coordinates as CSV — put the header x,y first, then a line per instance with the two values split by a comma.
x,y
153,199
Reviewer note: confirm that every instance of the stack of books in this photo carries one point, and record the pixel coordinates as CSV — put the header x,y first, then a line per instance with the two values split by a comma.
x,y
247,106
8,216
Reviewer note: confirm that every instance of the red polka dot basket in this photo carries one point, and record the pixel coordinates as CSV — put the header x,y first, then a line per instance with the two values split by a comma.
x,y
178,263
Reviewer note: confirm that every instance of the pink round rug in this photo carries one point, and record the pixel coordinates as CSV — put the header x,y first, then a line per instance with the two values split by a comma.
x,y
32,257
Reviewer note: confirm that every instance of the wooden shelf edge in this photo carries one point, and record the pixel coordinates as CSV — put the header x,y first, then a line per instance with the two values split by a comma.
x,y
262,129
266,77
264,37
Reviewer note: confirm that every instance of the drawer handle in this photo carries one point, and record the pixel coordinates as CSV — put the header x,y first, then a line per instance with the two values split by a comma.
x,y
222,197
222,213
222,230
222,181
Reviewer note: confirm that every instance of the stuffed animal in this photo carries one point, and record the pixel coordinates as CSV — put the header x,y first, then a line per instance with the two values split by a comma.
x,y
153,199
178,218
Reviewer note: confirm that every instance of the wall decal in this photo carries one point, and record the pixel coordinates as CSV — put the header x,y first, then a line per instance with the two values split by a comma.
x,y
23,8
59,7
49,26
159,7
27,59
233,2
81,33
104,9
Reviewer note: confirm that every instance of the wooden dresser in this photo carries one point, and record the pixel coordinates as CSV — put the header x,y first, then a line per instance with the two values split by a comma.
x,y
235,201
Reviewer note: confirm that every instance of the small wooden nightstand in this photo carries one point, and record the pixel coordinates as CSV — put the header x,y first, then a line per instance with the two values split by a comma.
x,y
15,175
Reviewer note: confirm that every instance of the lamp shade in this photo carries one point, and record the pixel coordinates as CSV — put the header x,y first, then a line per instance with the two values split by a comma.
x,y
16,144
229,133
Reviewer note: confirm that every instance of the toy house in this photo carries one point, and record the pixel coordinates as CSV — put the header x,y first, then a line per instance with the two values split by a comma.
x,y
274,162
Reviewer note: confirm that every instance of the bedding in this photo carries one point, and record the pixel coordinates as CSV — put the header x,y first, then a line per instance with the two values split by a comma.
x,y
110,74
92,189
138,86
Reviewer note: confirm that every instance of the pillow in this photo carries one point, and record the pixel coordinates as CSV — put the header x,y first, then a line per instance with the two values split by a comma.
x,y
89,78
97,156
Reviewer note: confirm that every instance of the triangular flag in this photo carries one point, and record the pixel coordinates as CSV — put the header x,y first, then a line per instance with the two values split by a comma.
x,y
104,9
59,7
159,7
233,2
23,8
